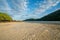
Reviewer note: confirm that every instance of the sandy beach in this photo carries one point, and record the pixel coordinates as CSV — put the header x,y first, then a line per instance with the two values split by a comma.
x,y
29,31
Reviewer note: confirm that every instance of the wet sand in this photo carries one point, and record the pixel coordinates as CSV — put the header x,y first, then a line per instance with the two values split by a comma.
x,y
29,31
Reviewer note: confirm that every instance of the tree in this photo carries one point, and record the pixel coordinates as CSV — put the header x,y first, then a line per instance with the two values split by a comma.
x,y
5,17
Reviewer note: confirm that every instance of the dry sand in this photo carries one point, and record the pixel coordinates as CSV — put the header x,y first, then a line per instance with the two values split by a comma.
x,y
29,31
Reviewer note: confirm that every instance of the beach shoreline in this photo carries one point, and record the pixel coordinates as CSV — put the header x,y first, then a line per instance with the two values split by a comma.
x,y
29,31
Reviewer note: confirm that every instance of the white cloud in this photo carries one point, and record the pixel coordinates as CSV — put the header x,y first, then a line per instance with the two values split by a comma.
x,y
20,10
42,8
4,5
19,7
45,6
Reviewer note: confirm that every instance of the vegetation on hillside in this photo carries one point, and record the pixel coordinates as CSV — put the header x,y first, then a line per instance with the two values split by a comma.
x,y
4,17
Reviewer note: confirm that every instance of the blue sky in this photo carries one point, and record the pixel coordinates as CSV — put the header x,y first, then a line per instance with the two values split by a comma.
x,y
25,9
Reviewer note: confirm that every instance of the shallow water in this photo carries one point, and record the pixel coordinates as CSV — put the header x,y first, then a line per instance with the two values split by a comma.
x,y
47,22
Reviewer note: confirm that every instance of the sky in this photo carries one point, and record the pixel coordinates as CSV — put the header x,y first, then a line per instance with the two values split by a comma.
x,y
25,9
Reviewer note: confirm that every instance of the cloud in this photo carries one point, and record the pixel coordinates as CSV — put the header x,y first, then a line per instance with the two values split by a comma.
x,y
19,10
44,6
4,5
15,8
19,5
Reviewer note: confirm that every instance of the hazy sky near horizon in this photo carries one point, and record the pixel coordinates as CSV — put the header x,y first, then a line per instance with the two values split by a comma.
x,y
25,9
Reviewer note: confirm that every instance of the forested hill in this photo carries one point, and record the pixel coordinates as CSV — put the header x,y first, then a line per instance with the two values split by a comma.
x,y
54,16
4,17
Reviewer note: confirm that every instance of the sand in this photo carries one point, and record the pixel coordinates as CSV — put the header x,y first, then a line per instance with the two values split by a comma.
x,y
29,31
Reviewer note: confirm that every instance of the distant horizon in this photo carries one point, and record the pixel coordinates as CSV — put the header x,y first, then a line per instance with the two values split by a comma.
x,y
25,9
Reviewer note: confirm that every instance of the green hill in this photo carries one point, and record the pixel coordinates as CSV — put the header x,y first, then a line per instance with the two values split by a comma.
x,y
54,16
4,17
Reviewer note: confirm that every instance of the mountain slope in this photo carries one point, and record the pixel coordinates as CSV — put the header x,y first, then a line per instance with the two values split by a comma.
x,y
55,16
